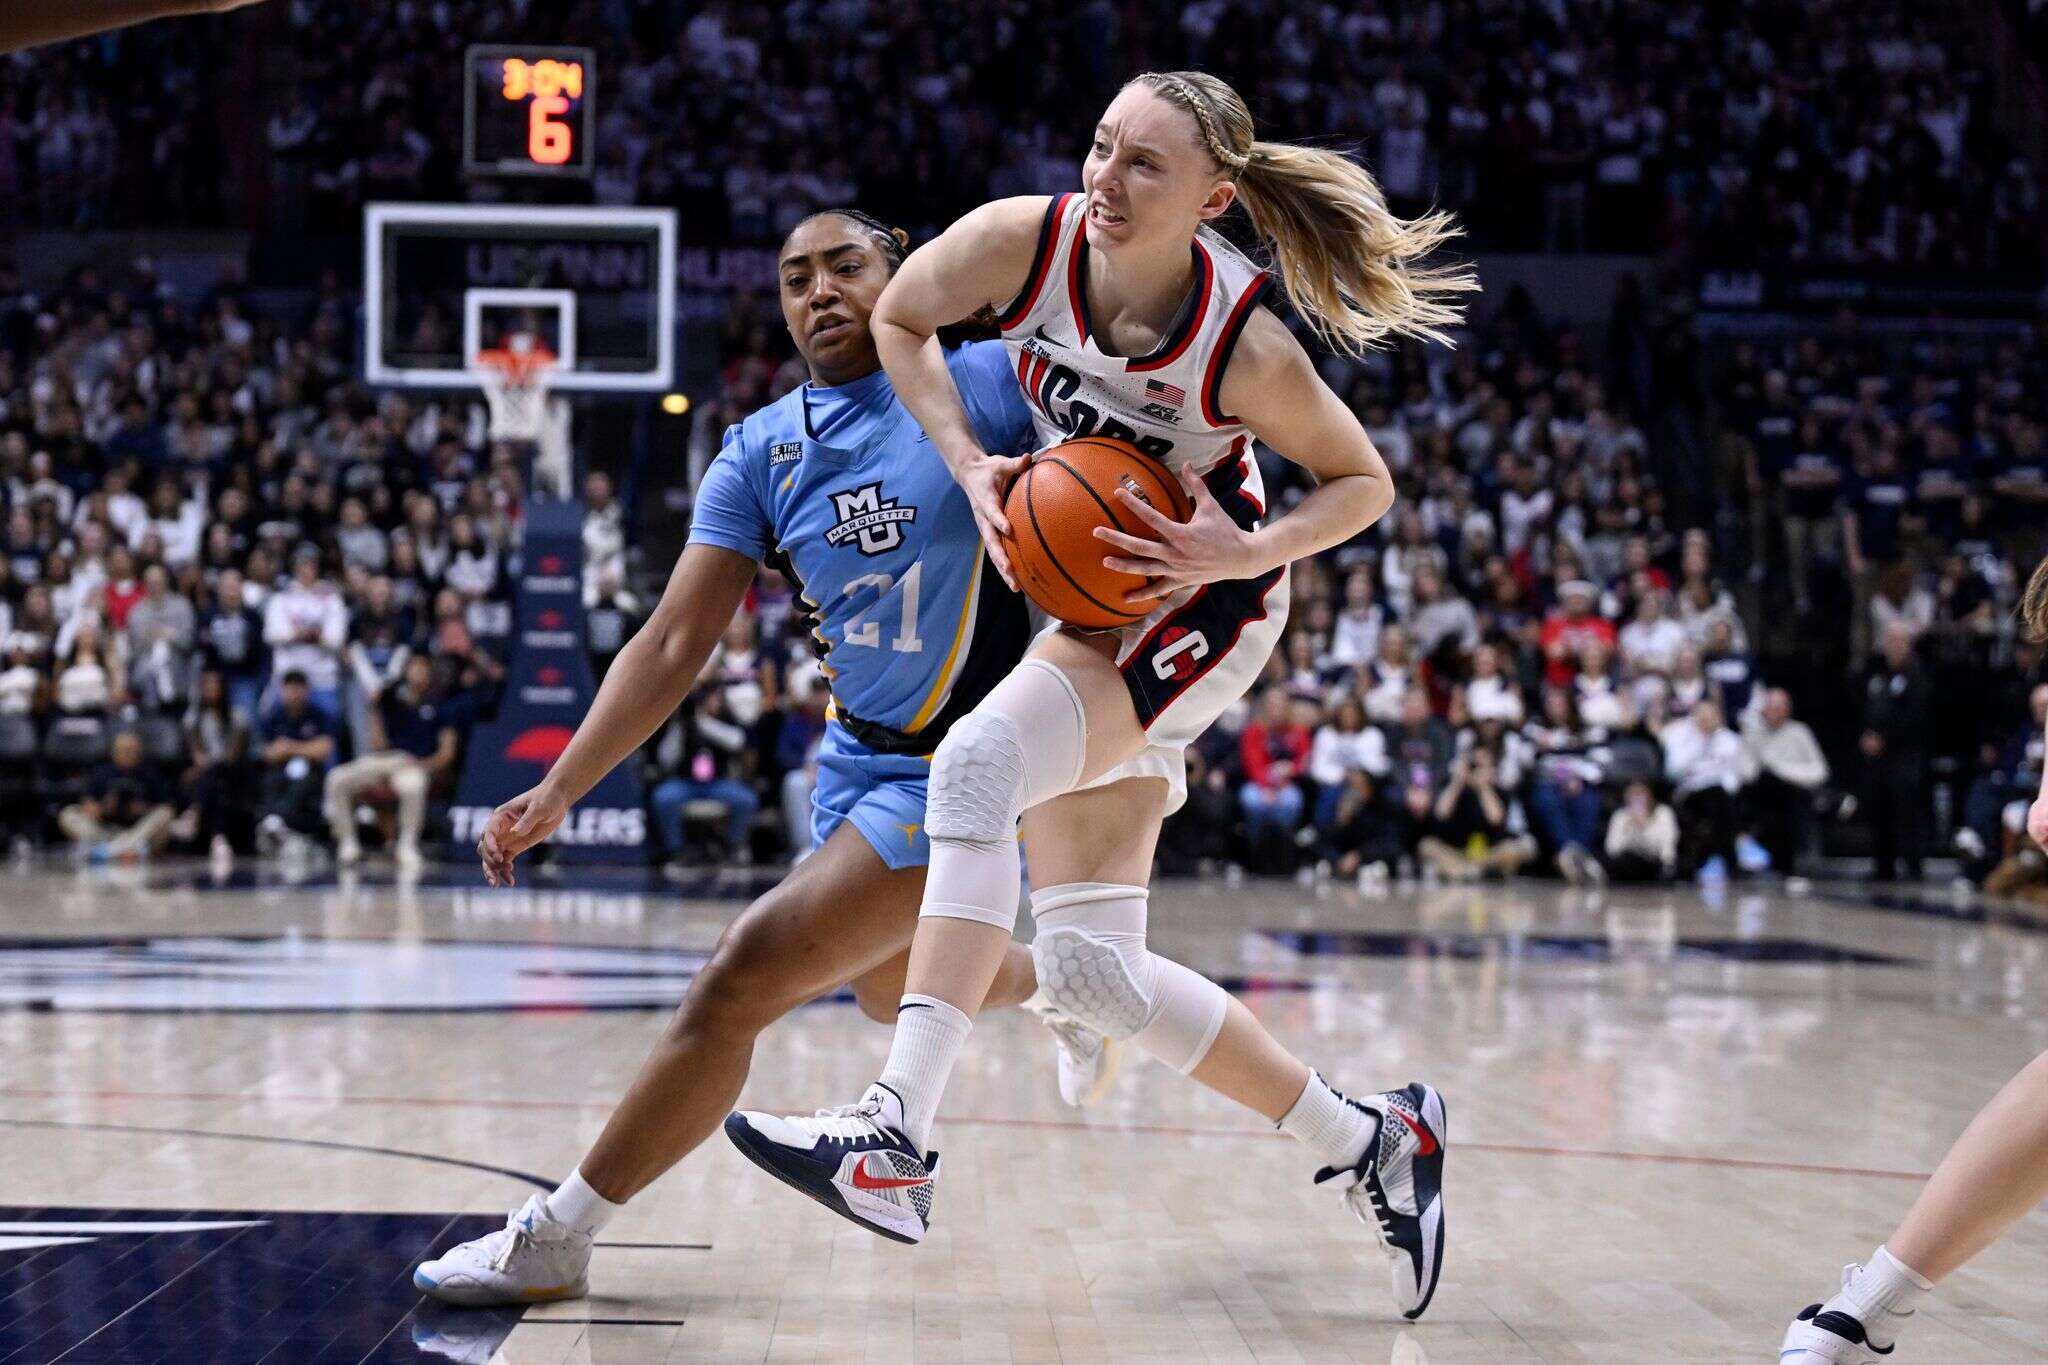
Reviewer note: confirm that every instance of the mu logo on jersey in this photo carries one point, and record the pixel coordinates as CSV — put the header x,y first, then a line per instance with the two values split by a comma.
x,y
1055,390
868,520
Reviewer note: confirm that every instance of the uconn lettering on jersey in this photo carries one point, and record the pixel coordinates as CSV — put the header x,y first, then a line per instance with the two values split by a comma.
x,y
1055,390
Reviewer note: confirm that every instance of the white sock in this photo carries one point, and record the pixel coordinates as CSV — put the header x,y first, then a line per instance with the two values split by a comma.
x,y
1884,1292
576,1205
929,1036
1323,1122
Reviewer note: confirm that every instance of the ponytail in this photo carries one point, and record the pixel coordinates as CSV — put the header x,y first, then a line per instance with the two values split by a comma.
x,y
1353,270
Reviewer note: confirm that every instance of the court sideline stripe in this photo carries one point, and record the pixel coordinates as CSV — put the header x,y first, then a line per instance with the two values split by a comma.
x,y
982,1121
539,1182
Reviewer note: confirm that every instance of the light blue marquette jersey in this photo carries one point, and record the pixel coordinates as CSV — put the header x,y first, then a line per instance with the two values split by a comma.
x,y
841,490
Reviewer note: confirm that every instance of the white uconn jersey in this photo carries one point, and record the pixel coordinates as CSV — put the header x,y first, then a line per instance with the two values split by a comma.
x,y
1199,651
1168,403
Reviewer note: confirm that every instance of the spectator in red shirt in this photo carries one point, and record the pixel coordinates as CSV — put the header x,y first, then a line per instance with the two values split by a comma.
x,y
124,587
1274,749
1568,630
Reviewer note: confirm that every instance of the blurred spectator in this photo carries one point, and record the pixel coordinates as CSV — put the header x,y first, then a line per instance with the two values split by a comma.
x,y
1897,710
1995,807
89,675
1790,770
1703,760
1274,750
1564,786
1475,829
1420,745
162,628
1569,629
305,624
296,742
217,779
1364,835
413,745
1343,745
1642,838
697,757
127,807
233,643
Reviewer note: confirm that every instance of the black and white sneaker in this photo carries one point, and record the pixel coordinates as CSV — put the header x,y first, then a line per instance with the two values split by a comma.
x,y
1834,1333
1397,1188
854,1160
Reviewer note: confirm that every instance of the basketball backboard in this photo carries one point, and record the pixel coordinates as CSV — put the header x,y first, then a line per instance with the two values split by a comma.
x,y
443,283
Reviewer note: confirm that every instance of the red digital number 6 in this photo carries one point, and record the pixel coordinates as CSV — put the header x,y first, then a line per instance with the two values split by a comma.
x,y
546,140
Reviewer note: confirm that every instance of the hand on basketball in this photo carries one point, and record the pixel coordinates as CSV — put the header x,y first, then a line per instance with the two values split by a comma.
x,y
987,481
516,826
1206,548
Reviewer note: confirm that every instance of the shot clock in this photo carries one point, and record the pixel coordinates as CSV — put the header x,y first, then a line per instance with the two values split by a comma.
x,y
528,110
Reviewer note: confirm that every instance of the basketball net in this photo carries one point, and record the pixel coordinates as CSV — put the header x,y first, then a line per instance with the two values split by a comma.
x,y
514,378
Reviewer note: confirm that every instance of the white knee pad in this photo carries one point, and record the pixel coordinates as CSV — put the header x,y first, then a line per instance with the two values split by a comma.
x,y
1024,744
1093,963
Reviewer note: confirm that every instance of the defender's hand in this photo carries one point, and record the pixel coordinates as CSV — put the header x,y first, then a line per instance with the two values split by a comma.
x,y
516,826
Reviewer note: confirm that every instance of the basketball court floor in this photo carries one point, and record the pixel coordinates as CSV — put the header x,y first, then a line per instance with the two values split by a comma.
x,y
234,1112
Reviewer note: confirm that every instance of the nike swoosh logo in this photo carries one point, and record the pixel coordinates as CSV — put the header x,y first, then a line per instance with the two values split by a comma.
x,y
1422,1135
1039,332
863,1181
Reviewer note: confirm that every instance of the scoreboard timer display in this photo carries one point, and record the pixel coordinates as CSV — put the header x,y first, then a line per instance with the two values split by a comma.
x,y
528,110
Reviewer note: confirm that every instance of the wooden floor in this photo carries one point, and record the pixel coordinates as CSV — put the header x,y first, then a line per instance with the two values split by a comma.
x,y
1673,1118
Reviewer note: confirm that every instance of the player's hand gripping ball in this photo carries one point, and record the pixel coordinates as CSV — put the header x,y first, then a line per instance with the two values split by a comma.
x,y
1054,508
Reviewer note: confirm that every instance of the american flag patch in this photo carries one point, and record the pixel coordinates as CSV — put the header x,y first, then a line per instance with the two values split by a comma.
x,y
1165,393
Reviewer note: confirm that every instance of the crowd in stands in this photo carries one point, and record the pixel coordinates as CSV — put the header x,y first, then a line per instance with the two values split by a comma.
x,y
247,604
238,594
1539,662
1735,135
1641,612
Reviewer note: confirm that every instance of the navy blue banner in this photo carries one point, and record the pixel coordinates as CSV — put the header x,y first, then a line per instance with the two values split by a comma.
x,y
548,688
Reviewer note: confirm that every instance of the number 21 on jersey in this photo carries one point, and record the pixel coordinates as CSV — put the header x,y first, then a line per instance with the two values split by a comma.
x,y
861,631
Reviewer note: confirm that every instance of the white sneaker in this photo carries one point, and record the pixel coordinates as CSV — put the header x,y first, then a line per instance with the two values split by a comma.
x,y
348,852
1832,1333
1088,1060
532,1259
408,856
1397,1188
854,1160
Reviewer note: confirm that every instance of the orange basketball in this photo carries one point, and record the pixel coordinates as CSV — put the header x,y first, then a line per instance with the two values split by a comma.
x,y
1054,507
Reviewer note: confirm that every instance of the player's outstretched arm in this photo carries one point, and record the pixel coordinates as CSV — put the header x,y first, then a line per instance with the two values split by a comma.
x,y
31,23
982,259
645,684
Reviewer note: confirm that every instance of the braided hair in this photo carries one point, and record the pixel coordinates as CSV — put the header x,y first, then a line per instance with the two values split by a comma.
x,y
894,244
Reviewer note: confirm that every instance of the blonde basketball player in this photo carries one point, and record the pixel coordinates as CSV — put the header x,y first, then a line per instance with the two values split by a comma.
x,y
1995,1175
1126,316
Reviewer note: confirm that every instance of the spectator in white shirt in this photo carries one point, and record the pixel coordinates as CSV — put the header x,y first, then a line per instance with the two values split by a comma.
x,y
1704,761
1345,743
1386,680
1642,838
1491,694
305,624
1356,635
1650,643
1787,768
178,522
